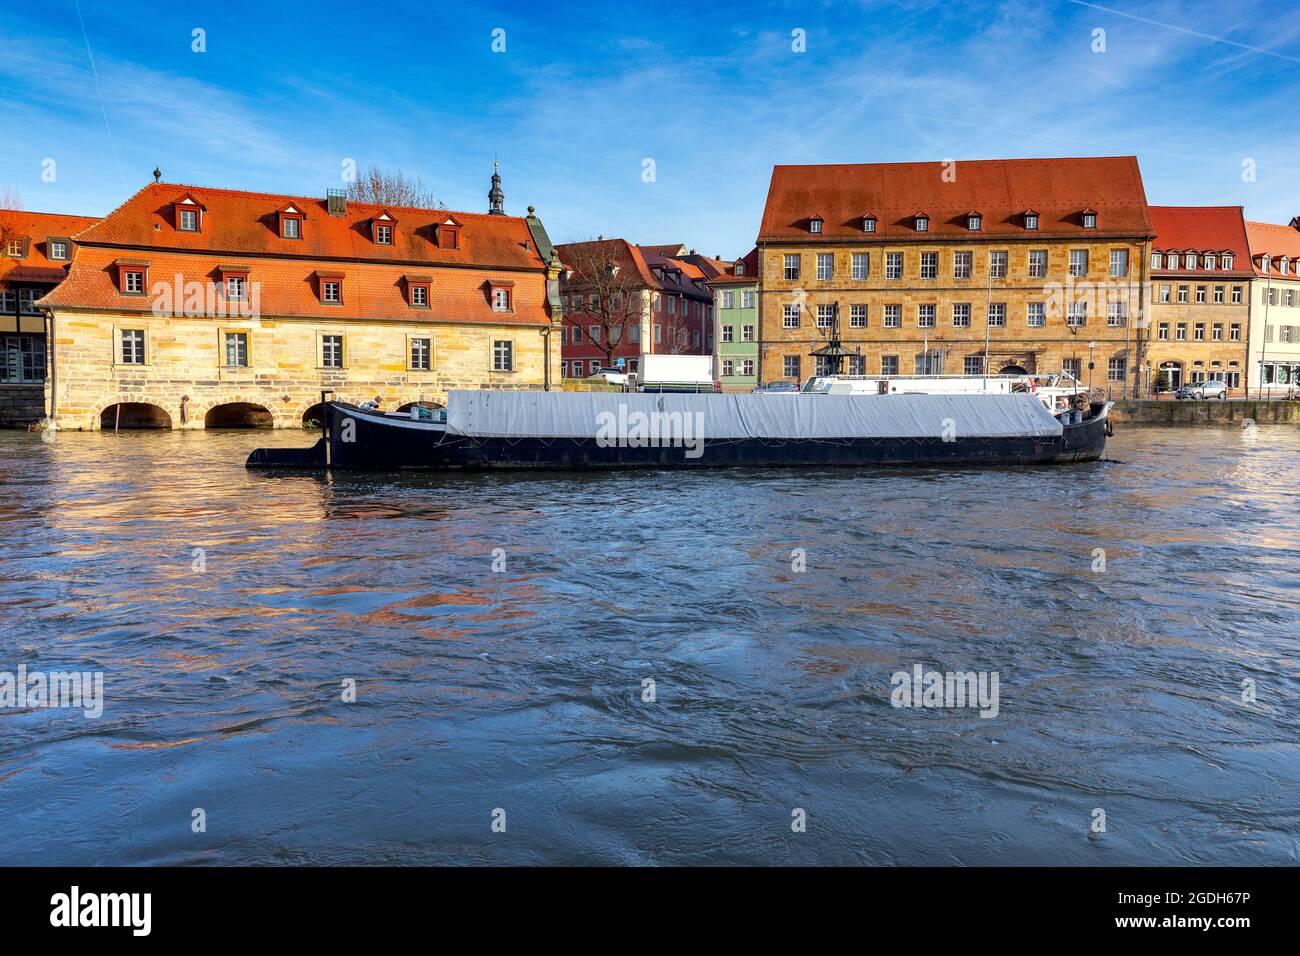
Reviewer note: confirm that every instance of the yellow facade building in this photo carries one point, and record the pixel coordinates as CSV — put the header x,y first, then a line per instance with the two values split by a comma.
x,y
1040,265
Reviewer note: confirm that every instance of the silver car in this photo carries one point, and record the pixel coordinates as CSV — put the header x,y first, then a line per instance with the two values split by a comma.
x,y
1201,391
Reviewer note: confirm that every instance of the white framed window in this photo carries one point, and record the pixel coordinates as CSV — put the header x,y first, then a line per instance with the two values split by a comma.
x,y
790,366
421,354
790,316
860,265
728,367
1116,370
1078,262
500,299
1118,263
331,351
1031,220
728,334
815,227
922,223
961,315
1227,261
747,333
1089,220
503,356
927,315
728,300
1210,261
857,316
1036,315
330,291
961,265
58,250
869,224
973,365
825,316
929,265
236,349
893,318
1116,314
1157,260
889,365
997,265
893,265
997,314
132,346
1077,314
974,223
825,265
748,299
384,235
189,220
1038,263
791,272
747,367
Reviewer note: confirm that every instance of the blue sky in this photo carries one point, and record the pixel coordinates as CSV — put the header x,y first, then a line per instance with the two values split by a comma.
x,y
583,94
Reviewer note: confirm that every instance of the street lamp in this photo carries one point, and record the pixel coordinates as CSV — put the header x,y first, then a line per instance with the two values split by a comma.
x,y
545,332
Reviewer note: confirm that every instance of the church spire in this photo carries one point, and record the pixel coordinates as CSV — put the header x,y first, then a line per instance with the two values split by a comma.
x,y
496,197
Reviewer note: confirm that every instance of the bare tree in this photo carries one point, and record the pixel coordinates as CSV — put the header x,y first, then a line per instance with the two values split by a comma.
x,y
9,199
611,291
392,189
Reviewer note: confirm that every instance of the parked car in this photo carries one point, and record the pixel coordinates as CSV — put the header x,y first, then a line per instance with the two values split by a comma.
x,y
777,388
610,376
1202,391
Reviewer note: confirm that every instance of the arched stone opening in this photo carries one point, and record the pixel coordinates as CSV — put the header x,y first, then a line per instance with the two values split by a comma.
x,y
238,415
133,415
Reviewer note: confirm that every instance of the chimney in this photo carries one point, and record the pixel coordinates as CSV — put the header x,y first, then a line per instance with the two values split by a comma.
x,y
336,201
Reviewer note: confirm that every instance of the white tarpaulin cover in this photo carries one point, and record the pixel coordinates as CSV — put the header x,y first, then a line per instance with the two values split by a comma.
x,y
499,414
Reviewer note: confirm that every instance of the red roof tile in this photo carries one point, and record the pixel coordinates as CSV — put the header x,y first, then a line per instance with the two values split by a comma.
x,y
290,288
1201,229
750,273
38,227
1003,189
1269,239
246,223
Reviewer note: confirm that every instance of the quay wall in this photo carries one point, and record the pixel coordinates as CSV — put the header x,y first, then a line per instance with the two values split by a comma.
x,y
1205,413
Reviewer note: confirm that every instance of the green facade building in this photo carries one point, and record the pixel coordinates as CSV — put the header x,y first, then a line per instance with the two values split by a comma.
x,y
735,319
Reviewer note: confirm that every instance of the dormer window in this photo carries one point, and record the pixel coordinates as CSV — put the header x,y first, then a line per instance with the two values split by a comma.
x,y
417,291
1089,219
501,295
868,223
1284,266
1210,261
330,285
1266,263
740,268
132,276
16,248
815,226
1157,260
447,233
1227,260
1189,261
381,229
974,222
1031,219
922,222
234,282
188,213
291,218
57,250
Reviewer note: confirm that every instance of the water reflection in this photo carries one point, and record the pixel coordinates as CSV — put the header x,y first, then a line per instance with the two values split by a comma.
x,y
523,688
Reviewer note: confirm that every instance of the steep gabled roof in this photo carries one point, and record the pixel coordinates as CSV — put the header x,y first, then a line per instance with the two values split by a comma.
x,y
245,224
38,227
1202,229
1060,189
1270,239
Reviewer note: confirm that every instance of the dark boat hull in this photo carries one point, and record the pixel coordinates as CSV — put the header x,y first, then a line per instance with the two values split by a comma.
x,y
357,440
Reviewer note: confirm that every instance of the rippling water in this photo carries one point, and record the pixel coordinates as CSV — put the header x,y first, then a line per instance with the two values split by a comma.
x,y
522,689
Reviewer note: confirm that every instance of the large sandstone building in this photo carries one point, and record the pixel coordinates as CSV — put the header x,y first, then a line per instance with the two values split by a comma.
x,y
193,307
1200,302
1040,264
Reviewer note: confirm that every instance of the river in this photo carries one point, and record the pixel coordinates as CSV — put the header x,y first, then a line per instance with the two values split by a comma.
x,y
501,633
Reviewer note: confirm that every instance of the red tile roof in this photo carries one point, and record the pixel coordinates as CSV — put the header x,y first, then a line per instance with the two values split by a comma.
x,y
246,223
749,275
1002,189
1275,241
243,227
290,288
1201,229
38,227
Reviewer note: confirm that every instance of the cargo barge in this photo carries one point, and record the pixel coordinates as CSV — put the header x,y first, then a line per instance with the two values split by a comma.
x,y
498,430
